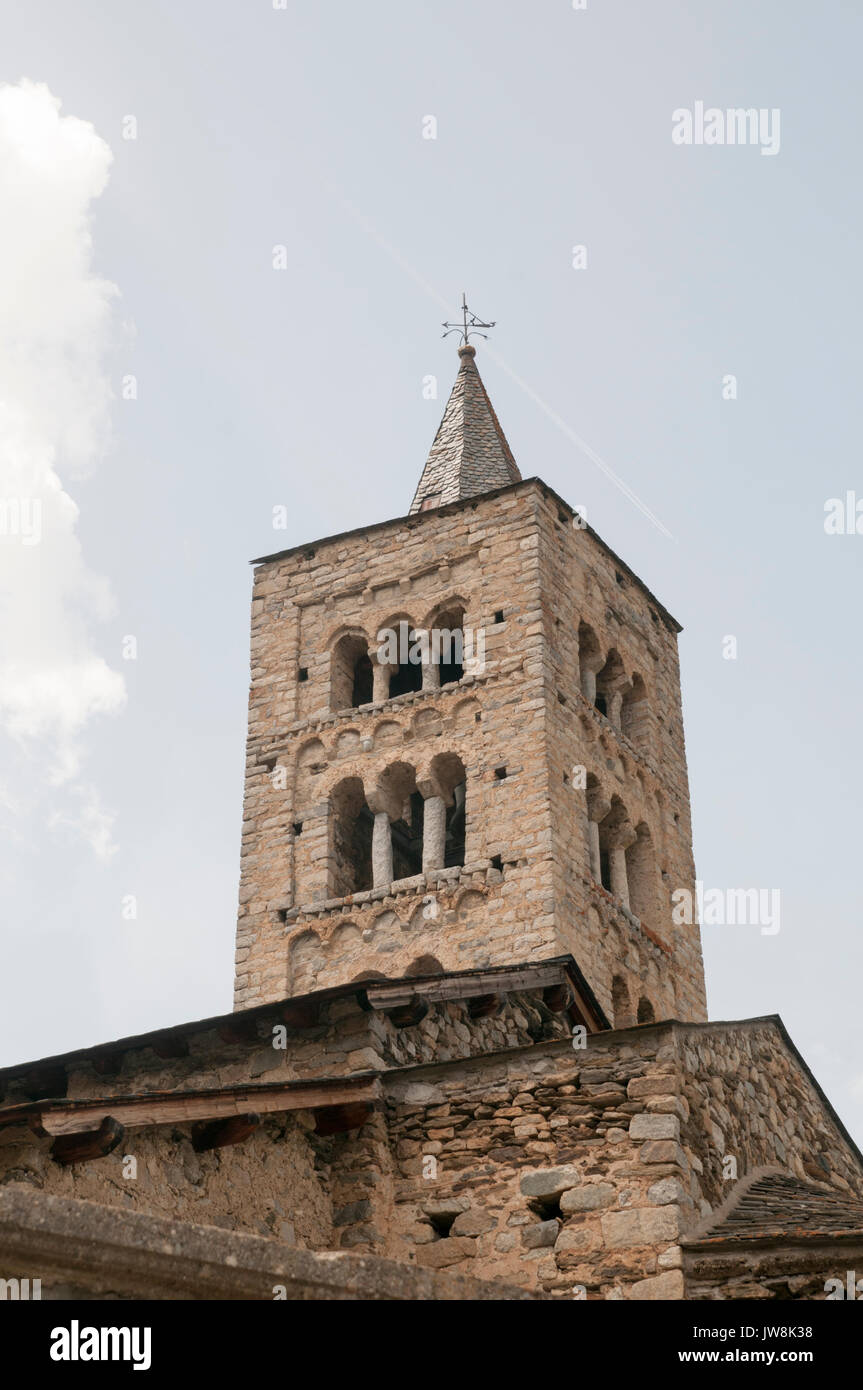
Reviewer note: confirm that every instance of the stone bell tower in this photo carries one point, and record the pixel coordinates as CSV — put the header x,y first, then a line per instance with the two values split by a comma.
x,y
466,747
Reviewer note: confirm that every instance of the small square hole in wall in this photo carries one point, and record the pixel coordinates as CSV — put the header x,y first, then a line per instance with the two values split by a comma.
x,y
303,673
562,516
619,577
442,1221
298,827
309,555
282,914
561,699
497,862
547,1208
500,773
498,617
477,719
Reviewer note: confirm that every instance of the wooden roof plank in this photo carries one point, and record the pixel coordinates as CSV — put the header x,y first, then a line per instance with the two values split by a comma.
x,y
137,1111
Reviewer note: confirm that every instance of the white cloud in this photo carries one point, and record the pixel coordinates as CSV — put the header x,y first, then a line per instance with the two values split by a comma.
x,y
57,318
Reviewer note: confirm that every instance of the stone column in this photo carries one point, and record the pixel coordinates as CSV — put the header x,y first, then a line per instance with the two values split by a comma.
x,y
380,682
431,670
434,833
591,663
614,703
382,851
617,869
593,842
598,807
619,841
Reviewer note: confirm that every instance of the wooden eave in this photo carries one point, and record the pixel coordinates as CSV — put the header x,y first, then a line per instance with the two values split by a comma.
x,y
60,1117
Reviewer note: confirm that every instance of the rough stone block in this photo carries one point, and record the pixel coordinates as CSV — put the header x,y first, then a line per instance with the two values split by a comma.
x,y
472,1223
449,1251
588,1198
664,1191
654,1127
640,1226
663,1151
550,1182
660,1286
640,1087
580,1238
537,1236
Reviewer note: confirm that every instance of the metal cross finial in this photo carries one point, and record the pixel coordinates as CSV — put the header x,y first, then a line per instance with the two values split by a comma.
x,y
470,324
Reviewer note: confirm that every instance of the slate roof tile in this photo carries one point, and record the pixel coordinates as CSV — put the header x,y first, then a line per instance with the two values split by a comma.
x,y
470,454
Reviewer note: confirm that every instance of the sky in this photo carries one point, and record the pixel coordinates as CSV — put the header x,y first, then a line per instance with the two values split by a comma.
x,y
229,233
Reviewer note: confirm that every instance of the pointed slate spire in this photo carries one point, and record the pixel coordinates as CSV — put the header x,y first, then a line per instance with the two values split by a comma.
x,y
470,454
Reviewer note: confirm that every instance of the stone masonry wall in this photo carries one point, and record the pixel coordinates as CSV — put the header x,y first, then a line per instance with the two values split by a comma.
x,y
284,1181
270,1185
499,1150
345,1039
657,960
561,1171
745,1095
292,935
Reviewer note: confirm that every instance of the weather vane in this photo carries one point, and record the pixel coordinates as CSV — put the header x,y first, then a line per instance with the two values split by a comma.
x,y
470,324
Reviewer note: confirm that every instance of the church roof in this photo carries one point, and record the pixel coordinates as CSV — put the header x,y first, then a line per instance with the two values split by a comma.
x,y
470,454
303,1012
777,1206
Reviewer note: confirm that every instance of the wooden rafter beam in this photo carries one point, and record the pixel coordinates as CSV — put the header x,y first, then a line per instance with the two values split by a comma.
x,y
407,1015
239,1030
48,1083
557,997
483,1006
580,1011
93,1143
173,1107
303,1013
393,994
339,1119
217,1134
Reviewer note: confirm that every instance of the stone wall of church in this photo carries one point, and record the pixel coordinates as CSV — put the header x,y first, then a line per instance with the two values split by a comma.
x,y
498,1148
551,1169
341,1039
745,1102
81,1250
285,1180
269,1185
577,1174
